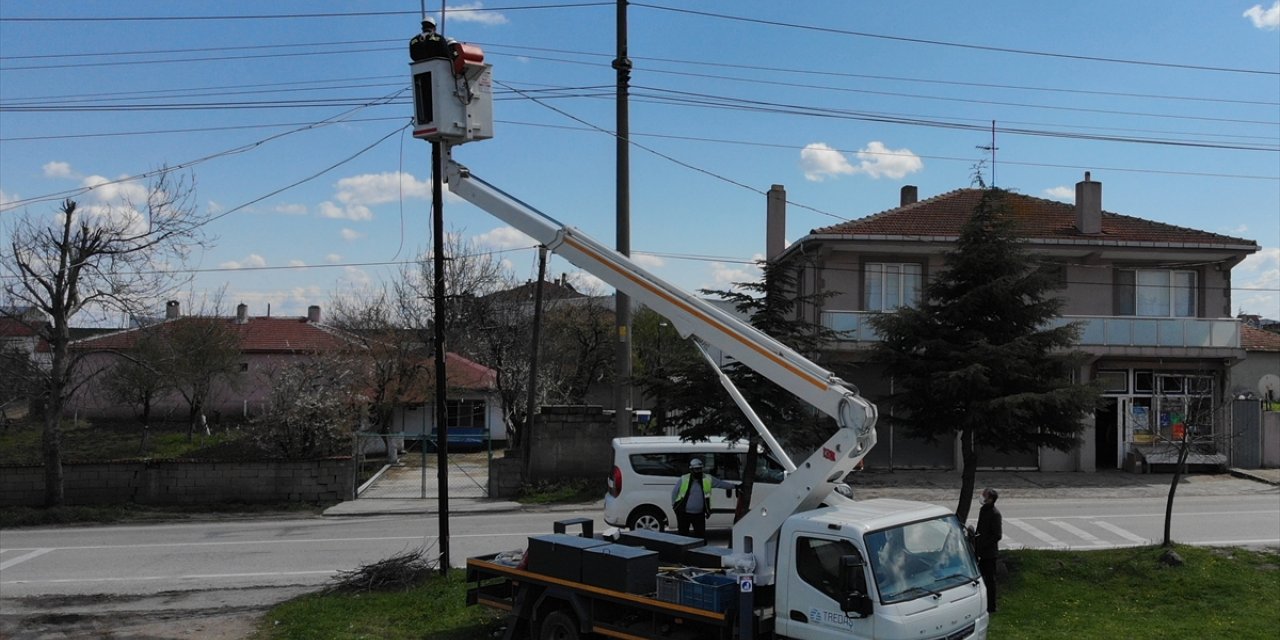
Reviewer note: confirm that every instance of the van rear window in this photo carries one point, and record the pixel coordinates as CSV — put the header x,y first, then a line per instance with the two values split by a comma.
x,y
661,464
726,466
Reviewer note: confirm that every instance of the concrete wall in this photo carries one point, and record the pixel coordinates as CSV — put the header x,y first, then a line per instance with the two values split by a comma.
x,y
177,482
572,442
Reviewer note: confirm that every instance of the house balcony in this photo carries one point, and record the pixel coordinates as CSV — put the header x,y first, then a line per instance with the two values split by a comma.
x,y
1100,335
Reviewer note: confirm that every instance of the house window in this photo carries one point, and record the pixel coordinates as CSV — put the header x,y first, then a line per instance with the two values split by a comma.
x,y
1159,293
244,366
464,413
889,285
1114,381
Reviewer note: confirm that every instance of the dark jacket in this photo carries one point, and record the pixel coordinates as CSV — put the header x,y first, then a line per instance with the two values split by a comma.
x,y
989,532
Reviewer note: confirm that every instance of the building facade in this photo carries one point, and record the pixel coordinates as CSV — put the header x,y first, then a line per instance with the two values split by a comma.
x,y
1153,300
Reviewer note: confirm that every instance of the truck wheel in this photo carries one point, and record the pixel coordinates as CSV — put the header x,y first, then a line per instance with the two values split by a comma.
x,y
559,626
650,518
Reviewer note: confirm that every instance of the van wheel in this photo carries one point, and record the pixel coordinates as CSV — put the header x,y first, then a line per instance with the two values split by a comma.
x,y
559,626
650,518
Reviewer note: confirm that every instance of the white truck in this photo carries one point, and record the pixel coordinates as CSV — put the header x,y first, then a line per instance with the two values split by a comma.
x,y
881,568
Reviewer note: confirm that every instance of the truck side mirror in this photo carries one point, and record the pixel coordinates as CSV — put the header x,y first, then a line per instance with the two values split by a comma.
x,y
853,584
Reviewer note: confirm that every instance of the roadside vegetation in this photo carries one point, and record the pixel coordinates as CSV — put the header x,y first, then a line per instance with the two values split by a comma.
x,y
1114,593
574,491
100,441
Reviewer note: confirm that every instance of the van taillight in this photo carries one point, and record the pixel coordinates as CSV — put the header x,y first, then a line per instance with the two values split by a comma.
x,y
615,482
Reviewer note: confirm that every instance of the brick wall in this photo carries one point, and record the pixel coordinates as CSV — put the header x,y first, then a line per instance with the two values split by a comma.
x,y
183,482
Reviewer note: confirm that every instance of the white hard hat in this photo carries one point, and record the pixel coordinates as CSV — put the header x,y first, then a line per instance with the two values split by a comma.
x,y
428,20
696,464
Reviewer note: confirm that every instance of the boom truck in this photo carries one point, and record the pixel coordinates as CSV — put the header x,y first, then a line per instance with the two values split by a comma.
x,y
799,569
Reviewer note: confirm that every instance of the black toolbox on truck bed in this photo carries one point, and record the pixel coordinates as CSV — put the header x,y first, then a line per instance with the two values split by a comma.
x,y
559,555
621,568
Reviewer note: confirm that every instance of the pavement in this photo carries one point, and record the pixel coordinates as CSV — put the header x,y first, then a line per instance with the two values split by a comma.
x,y
925,486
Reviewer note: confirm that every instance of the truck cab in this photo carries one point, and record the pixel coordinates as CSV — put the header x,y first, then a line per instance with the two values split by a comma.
x,y
878,568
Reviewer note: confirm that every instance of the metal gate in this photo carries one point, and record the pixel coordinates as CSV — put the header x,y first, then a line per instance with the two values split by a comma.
x,y
413,471
1246,445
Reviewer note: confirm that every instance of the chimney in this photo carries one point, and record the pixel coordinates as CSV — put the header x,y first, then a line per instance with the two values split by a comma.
x,y
242,313
910,193
172,310
775,221
1089,206
313,314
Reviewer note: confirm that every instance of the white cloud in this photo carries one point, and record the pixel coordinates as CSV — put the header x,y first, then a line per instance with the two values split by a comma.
x,y
818,161
1066,194
57,169
297,263
6,197
723,275
505,238
333,258
214,207
354,278
290,209
1255,282
648,260
878,160
354,195
106,190
587,283
250,261
1268,19
349,212
461,13
351,234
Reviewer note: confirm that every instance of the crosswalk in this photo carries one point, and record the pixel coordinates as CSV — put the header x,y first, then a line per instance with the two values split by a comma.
x,y
1067,533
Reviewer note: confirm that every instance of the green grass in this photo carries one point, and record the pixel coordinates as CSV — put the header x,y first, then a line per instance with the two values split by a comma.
x,y
1123,593
562,492
116,440
1128,593
434,611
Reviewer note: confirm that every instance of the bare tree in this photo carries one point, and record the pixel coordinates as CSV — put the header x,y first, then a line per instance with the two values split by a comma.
x,y
109,258
203,351
391,362
579,349
139,379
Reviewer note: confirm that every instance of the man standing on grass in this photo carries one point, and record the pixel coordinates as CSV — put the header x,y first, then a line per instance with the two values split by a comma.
x,y
987,543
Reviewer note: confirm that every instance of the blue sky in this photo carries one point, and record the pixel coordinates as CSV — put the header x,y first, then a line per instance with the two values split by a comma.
x,y
1174,106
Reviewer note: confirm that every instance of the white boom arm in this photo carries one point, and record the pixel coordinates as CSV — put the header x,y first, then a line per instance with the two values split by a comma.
x,y
812,480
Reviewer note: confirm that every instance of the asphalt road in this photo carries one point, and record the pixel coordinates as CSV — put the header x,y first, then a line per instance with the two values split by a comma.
x,y
107,575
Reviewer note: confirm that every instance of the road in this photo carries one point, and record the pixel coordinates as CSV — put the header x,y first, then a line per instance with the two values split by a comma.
x,y
107,575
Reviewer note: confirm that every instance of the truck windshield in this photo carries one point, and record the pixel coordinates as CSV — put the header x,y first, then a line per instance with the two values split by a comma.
x,y
920,559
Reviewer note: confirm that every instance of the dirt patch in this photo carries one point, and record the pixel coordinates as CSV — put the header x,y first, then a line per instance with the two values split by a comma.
x,y
218,614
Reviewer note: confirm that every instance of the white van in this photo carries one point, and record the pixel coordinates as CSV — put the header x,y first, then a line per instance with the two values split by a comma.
x,y
646,468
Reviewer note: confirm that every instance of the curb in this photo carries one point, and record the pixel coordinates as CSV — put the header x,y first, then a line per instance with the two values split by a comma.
x,y
1249,474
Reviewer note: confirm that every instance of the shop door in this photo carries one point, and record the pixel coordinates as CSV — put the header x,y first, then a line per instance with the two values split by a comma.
x,y
1106,425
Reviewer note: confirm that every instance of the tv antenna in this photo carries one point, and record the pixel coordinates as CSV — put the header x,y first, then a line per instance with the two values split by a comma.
x,y
991,148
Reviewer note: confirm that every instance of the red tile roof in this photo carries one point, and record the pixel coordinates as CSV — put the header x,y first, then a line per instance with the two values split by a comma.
x,y
1254,339
1036,218
257,335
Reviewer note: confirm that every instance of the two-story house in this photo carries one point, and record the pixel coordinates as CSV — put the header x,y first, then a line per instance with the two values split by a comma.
x,y
1153,299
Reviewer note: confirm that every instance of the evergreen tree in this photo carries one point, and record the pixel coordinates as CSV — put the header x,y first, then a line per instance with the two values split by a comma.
x,y
981,357
699,405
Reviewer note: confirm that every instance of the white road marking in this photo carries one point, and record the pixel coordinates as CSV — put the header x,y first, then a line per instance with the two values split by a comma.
x,y
290,541
1127,535
23,558
1038,534
200,576
1078,532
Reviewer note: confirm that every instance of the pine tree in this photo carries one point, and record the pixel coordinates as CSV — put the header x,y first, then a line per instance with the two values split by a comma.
x,y
697,404
981,357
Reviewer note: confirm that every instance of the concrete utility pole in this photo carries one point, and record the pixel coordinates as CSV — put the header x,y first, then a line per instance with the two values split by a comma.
x,y
622,386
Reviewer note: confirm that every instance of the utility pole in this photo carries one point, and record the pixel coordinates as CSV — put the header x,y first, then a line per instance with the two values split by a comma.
x,y
438,301
526,438
622,322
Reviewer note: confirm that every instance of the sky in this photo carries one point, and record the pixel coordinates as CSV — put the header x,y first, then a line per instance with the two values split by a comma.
x,y
291,118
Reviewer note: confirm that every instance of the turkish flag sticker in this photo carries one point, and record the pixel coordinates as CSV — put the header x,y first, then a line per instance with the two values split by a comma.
x,y
828,454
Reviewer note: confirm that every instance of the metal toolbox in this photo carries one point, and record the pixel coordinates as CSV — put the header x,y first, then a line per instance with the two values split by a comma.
x,y
670,547
621,568
706,557
559,555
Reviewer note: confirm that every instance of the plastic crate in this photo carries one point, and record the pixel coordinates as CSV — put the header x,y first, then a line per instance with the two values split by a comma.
x,y
710,591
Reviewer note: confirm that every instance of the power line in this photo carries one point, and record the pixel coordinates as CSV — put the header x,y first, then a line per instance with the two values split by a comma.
x,y
958,45
292,16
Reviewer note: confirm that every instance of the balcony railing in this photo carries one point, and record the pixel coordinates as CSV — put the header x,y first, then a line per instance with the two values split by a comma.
x,y
1096,331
